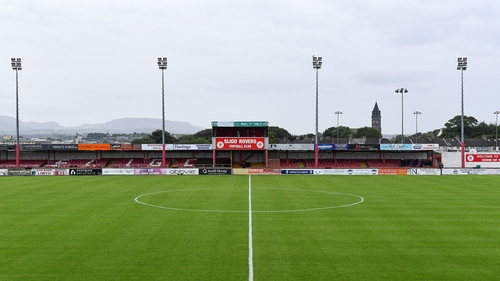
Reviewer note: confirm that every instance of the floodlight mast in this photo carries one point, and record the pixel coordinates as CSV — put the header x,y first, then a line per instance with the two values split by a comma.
x,y
462,65
162,64
16,65
496,130
338,129
317,62
402,91
416,125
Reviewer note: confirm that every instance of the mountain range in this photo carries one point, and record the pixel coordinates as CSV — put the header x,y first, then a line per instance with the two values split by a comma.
x,y
122,125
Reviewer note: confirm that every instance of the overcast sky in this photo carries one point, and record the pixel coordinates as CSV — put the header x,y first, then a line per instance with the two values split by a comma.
x,y
94,61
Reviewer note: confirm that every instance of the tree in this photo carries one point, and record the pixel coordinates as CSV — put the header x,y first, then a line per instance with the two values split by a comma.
x,y
155,137
428,135
97,136
344,132
203,136
206,134
192,139
453,127
367,132
273,139
483,129
281,134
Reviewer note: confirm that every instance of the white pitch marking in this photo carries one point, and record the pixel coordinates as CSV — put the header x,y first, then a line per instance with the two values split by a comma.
x,y
250,239
361,200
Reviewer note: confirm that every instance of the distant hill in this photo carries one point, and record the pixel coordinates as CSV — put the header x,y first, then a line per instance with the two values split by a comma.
x,y
123,125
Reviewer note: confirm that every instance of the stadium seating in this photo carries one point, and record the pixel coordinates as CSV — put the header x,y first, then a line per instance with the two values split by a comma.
x,y
332,163
5,164
379,163
288,163
183,163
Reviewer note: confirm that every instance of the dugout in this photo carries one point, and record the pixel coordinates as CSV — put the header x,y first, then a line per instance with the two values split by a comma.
x,y
244,143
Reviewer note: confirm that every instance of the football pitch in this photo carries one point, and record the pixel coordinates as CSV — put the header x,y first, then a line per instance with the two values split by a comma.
x,y
250,228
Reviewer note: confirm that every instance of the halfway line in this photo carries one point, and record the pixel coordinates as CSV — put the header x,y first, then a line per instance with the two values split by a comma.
x,y
250,243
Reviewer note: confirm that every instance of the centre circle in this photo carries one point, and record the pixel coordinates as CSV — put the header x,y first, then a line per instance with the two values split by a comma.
x,y
235,200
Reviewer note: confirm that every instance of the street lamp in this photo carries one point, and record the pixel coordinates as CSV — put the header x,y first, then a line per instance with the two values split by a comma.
x,y
317,61
402,91
416,125
16,65
496,130
338,131
462,65
162,64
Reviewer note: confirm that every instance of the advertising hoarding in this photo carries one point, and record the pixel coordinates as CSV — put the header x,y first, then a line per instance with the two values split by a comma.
x,y
480,158
85,172
215,171
94,146
207,146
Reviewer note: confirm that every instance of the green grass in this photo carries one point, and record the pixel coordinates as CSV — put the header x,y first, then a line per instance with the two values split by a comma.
x,y
407,228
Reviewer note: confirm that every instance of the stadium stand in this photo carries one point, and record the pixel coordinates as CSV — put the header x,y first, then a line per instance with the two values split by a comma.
x,y
330,163
5,164
379,163
69,163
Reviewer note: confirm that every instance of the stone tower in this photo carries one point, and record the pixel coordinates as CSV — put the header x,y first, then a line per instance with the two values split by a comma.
x,y
376,118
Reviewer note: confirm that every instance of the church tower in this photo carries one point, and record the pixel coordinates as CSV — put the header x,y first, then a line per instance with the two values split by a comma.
x,y
376,118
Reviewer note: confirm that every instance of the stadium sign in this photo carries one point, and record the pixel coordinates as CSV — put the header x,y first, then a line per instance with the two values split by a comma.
x,y
490,157
393,171
426,172
330,172
19,172
157,147
148,171
240,124
49,172
63,147
339,146
292,147
85,172
240,143
215,171
128,146
193,146
362,171
4,172
264,171
325,146
34,147
117,171
94,146
364,147
465,171
297,172
115,146
425,146
396,146
408,146
181,172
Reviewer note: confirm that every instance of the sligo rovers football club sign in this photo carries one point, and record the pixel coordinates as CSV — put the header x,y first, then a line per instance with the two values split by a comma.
x,y
240,143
